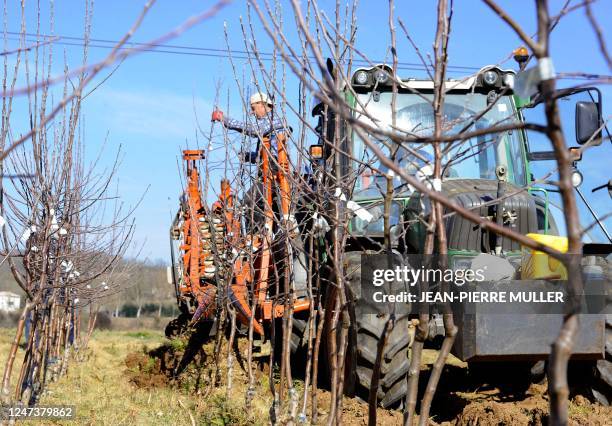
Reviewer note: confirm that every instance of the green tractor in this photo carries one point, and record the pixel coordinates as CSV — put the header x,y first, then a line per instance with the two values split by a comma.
x,y
476,172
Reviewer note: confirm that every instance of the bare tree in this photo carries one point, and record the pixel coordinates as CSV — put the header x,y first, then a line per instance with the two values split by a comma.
x,y
59,211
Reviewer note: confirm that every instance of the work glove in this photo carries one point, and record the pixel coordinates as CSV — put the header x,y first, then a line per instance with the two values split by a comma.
x,y
320,225
217,115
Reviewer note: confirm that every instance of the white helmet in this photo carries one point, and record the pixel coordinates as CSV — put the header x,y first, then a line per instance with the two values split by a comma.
x,y
261,97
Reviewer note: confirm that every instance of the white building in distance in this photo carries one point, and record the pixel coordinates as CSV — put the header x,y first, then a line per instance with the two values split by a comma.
x,y
9,301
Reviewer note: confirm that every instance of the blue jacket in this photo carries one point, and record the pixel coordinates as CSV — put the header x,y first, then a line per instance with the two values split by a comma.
x,y
269,126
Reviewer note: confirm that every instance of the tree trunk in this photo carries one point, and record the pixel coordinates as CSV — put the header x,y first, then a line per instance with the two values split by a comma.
x,y
6,379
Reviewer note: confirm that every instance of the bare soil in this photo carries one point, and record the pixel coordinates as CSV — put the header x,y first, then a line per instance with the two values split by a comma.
x,y
461,399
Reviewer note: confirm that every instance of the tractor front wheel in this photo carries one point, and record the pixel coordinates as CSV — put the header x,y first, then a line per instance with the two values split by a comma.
x,y
602,387
369,345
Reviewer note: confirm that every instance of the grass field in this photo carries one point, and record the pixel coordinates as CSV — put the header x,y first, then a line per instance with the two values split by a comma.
x,y
99,387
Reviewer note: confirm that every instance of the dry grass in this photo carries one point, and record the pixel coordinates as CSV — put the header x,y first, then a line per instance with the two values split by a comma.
x,y
98,385
6,339
99,388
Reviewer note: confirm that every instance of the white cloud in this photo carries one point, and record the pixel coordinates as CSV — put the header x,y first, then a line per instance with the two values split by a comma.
x,y
157,114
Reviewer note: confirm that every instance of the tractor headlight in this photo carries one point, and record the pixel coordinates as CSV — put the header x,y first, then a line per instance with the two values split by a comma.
x,y
490,77
508,80
576,178
380,76
361,77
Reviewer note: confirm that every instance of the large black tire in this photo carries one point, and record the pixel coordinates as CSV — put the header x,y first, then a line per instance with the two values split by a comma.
x,y
299,334
395,361
368,322
602,387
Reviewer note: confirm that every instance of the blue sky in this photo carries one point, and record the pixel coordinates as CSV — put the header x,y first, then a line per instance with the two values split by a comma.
x,y
147,106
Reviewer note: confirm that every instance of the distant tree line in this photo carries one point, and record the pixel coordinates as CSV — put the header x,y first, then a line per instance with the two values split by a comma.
x,y
131,310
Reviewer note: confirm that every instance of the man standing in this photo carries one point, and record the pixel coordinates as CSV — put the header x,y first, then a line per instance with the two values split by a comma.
x,y
267,125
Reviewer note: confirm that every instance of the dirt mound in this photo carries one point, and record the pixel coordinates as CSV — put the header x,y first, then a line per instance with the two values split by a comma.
x,y
181,361
187,363
584,412
145,371
496,413
531,411
354,411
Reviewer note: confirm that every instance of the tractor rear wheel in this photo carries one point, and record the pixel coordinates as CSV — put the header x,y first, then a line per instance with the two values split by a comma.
x,y
394,364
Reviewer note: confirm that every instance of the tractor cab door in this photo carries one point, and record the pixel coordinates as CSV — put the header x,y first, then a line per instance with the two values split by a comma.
x,y
580,111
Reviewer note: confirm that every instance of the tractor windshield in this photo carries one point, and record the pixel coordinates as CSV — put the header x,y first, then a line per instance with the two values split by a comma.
x,y
474,158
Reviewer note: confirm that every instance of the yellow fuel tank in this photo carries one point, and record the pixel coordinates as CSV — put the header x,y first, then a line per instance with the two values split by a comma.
x,y
537,265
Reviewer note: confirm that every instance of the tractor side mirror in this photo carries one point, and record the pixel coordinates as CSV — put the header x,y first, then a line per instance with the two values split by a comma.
x,y
588,122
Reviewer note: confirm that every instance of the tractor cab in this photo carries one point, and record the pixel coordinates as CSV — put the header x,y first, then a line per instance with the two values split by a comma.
x,y
470,166
478,169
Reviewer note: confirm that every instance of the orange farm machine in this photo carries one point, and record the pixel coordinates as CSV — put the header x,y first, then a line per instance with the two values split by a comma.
x,y
216,261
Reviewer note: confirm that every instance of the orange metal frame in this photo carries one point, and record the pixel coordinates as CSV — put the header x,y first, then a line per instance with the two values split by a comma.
x,y
243,276
269,310
194,256
192,242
